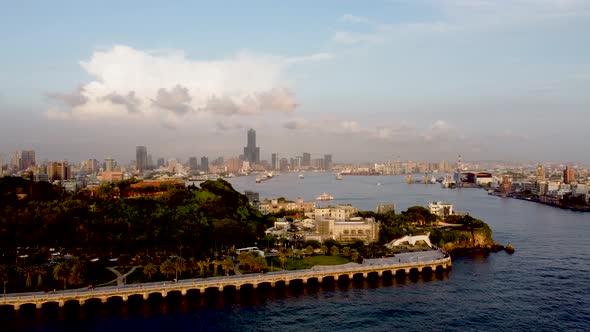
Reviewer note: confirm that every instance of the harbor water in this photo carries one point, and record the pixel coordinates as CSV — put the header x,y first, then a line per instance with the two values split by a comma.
x,y
543,286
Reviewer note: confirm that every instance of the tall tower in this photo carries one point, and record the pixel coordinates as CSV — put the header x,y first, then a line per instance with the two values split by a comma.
x,y
251,151
569,176
109,164
141,158
540,173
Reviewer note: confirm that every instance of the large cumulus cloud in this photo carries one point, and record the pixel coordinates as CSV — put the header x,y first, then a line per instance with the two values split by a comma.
x,y
170,86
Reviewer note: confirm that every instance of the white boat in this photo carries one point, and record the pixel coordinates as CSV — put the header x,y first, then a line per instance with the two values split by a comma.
x,y
324,197
432,179
301,176
338,176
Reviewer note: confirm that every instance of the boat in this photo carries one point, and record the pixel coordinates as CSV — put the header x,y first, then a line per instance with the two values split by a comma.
x,y
378,183
338,176
448,182
324,197
433,179
301,176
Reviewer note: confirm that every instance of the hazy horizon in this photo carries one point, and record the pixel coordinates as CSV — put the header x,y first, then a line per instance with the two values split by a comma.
x,y
415,80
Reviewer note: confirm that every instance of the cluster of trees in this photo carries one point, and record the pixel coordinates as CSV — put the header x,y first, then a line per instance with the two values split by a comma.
x,y
199,219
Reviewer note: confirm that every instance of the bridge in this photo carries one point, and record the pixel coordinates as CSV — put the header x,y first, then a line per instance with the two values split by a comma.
x,y
401,263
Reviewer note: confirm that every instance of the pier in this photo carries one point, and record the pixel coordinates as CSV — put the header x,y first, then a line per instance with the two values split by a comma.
x,y
406,263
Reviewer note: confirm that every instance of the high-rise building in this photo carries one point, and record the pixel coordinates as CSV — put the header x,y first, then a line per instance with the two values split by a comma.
x,y
58,170
327,161
161,162
141,158
306,161
27,159
193,164
569,175
318,163
274,164
540,173
251,151
204,164
109,164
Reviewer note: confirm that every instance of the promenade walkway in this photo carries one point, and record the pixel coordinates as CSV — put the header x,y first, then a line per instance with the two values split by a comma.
x,y
404,263
120,277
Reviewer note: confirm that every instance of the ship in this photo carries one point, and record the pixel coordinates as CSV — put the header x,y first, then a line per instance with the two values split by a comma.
x,y
324,197
301,176
338,176
433,179
448,182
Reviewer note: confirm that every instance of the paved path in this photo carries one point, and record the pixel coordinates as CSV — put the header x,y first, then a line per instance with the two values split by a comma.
x,y
236,270
120,277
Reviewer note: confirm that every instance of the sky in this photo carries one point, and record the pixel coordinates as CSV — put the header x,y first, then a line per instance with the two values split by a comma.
x,y
363,80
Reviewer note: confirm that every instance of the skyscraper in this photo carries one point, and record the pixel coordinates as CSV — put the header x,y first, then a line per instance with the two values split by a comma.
x,y
141,158
540,173
306,162
327,162
109,164
569,176
204,164
27,159
274,161
193,164
251,151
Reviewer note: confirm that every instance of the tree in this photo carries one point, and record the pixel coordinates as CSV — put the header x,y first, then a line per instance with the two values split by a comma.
x,y
309,250
216,264
324,249
62,272
167,268
28,272
259,263
334,251
227,265
150,269
4,276
191,265
40,273
179,265
354,255
283,258
346,251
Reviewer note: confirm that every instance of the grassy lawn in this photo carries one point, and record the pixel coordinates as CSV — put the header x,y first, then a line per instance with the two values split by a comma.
x,y
306,263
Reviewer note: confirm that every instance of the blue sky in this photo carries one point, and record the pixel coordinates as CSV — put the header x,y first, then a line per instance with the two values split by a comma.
x,y
364,80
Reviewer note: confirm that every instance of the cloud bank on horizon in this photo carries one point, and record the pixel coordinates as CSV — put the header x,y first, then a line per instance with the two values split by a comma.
x,y
133,84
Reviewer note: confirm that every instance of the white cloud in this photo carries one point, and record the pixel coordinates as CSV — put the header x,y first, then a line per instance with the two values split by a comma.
x,y
354,19
171,88
295,124
352,38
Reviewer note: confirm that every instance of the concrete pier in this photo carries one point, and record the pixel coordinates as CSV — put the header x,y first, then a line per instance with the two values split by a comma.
x,y
432,260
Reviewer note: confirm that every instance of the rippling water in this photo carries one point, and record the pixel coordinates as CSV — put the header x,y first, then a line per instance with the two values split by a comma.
x,y
545,285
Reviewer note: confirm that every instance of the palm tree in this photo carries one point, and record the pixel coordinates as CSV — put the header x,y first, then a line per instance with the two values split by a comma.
x,y
179,265
354,255
150,269
227,265
191,265
167,267
75,277
4,276
334,251
324,249
62,272
40,273
346,251
259,263
309,250
28,272
283,258
216,264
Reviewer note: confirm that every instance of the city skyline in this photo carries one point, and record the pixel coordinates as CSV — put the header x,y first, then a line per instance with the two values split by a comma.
x,y
490,80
